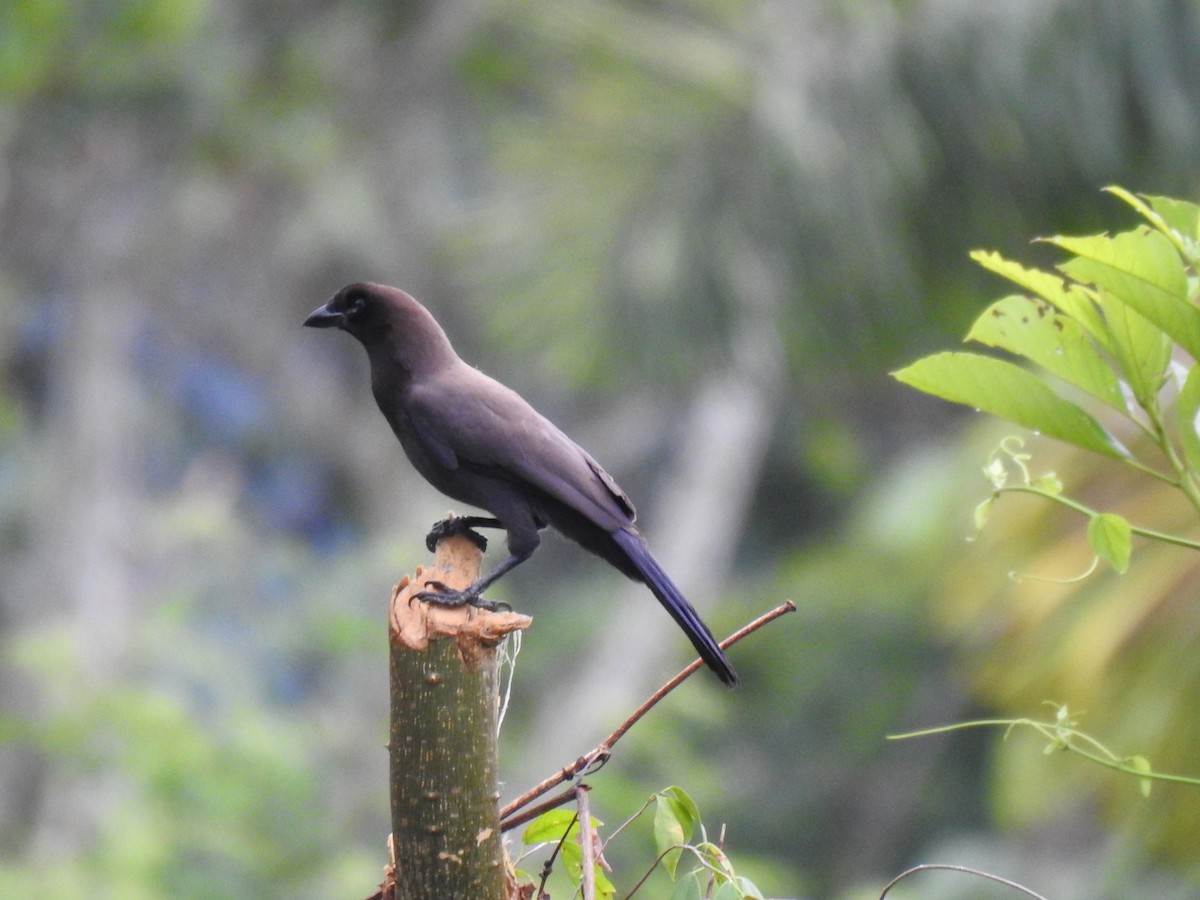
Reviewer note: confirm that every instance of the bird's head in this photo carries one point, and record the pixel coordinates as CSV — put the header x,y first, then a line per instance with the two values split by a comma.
x,y
389,323
357,308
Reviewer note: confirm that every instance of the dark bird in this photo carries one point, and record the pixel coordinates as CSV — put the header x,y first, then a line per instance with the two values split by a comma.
x,y
479,442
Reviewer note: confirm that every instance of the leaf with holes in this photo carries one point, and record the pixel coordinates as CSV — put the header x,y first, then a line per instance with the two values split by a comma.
x,y
1142,269
1037,331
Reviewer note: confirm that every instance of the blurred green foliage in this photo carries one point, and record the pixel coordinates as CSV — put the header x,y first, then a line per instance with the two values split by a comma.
x,y
211,802
95,51
1114,647
612,205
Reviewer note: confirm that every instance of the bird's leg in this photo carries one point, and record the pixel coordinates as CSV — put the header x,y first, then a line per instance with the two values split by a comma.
x,y
444,595
463,525
521,545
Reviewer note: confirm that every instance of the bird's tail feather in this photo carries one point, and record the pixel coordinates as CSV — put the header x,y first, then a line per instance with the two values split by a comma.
x,y
634,546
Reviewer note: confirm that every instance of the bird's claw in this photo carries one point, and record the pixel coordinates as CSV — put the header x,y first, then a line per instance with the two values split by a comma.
x,y
443,595
449,527
493,605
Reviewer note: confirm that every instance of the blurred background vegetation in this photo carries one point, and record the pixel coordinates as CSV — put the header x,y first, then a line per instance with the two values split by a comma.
x,y
697,234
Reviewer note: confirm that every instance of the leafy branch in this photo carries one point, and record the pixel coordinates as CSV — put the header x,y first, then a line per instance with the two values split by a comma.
x,y
1100,353
1110,535
574,834
676,820
1062,734
1112,335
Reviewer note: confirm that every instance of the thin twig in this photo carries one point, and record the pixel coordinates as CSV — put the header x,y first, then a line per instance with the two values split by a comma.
x,y
1165,538
587,842
601,751
650,871
549,864
616,831
528,815
508,819
947,867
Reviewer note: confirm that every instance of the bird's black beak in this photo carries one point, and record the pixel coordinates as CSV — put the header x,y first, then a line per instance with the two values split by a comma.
x,y
324,317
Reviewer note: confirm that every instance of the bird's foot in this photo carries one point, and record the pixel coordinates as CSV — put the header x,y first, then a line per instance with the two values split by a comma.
x,y
463,525
443,595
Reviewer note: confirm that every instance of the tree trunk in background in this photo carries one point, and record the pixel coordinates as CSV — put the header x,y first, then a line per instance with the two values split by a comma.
x,y
86,539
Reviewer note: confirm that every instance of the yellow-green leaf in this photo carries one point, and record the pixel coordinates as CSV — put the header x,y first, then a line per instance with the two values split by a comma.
x,y
1187,412
1141,348
1050,483
675,817
983,512
1042,334
1072,300
1111,539
1008,391
1179,220
550,826
1142,765
1180,215
1143,269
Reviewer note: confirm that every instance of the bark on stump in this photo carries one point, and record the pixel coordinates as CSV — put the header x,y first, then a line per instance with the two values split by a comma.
x,y
442,746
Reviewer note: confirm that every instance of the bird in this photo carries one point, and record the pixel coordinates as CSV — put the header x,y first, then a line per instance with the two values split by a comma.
x,y
482,444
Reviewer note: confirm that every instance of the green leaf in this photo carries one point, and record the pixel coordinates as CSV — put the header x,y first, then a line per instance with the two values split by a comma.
x,y
1111,539
550,826
1187,410
1060,345
675,817
688,888
1140,268
1141,349
1008,391
684,806
1137,203
1072,300
1179,215
729,891
1177,219
1050,483
749,888
1183,228
604,887
983,512
1141,764
572,857
738,888
716,858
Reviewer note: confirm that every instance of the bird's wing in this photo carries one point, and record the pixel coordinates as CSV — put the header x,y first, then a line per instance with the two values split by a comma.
x,y
467,418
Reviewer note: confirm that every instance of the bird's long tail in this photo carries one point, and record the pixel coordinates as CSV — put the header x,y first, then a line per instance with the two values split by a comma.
x,y
634,546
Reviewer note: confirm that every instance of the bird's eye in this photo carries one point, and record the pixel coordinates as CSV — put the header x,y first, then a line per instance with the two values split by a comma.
x,y
356,307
